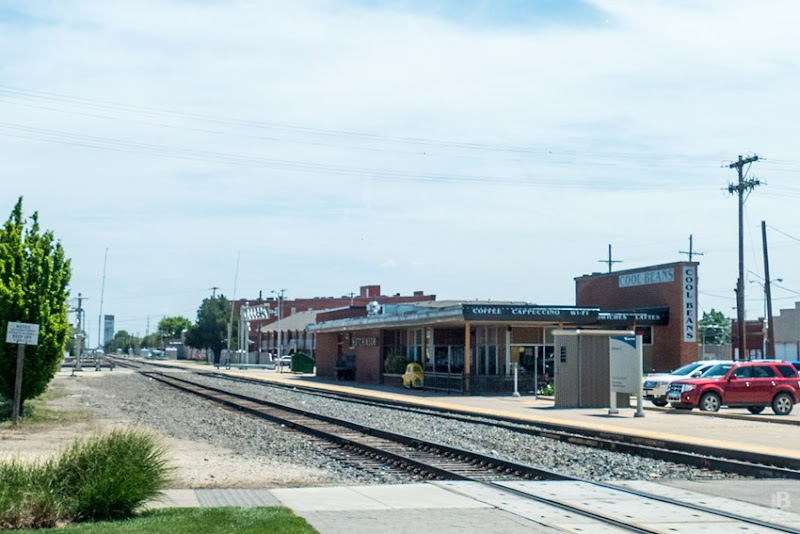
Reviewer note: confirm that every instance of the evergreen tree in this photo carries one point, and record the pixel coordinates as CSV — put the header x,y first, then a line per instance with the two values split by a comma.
x,y
34,275
715,328
170,328
211,328
122,341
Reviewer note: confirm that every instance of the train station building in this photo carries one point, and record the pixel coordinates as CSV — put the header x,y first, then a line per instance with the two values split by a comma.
x,y
473,346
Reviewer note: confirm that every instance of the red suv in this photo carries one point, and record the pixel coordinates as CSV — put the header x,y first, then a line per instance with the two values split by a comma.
x,y
753,384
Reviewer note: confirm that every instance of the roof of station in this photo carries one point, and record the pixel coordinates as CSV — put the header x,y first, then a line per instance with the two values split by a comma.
x,y
297,321
457,313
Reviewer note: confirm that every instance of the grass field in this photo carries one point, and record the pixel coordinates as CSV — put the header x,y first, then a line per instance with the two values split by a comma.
x,y
38,411
194,520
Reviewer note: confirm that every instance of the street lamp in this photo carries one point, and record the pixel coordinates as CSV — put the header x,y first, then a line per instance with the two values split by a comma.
x,y
279,293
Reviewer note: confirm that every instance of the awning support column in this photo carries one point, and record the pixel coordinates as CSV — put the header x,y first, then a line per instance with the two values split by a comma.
x,y
467,355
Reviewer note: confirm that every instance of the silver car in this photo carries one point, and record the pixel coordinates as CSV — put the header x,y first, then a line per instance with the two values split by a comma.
x,y
656,385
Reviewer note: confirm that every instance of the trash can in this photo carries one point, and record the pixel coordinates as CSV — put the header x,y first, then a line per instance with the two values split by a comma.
x,y
302,363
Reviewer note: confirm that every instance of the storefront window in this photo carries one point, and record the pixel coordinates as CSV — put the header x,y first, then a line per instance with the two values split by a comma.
x,y
414,353
456,359
486,361
441,359
448,358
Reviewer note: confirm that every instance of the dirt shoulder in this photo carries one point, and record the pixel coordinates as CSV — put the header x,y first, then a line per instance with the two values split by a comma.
x,y
208,447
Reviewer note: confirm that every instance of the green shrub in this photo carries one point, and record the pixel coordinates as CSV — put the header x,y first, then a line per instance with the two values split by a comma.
x,y
109,476
30,496
104,477
395,364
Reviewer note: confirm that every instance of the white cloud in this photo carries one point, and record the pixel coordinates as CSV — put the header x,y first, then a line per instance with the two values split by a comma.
x,y
180,134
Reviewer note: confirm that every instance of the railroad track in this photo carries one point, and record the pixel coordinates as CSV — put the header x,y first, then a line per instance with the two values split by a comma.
x,y
704,457
743,463
498,478
423,459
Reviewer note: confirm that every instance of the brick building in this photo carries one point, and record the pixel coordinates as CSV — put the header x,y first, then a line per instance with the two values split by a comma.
x,y
296,314
787,333
670,285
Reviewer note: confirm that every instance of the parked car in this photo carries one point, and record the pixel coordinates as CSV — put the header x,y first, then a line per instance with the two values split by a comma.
x,y
753,384
414,377
656,385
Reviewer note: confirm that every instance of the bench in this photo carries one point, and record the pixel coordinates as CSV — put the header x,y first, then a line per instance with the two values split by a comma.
x,y
346,368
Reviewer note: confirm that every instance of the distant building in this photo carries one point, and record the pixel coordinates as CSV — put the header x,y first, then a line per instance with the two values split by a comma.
x,y
753,340
296,313
787,333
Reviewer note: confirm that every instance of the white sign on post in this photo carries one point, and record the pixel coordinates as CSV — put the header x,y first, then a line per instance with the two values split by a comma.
x,y
624,364
23,333
255,313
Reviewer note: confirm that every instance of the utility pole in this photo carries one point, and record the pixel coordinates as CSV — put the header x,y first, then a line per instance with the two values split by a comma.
x,y
78,335
740,189
100,328
280,293
233,305
691,251
768,292
213,292
609,261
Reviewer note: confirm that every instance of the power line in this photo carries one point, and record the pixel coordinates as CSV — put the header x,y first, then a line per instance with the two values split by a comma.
x,y
14,94
106,143
784,233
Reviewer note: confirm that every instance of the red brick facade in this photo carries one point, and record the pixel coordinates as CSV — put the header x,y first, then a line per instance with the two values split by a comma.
x,y
672,285
366,345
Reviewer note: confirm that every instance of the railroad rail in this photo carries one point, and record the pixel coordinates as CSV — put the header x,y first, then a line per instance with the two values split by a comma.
x,y
424,459
429,460
704,457
744,463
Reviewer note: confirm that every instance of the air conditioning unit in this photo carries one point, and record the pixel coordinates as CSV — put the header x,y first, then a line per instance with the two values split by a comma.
x,y
373,308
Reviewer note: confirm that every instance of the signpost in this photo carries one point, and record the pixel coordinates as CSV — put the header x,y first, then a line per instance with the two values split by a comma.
x,y
22,334
625,370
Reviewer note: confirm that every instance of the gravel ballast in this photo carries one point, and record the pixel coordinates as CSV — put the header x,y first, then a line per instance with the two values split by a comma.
x,y
216,447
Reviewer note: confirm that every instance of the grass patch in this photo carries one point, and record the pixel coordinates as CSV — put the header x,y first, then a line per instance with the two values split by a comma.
x,y
103,477
29,495
194,520
38,410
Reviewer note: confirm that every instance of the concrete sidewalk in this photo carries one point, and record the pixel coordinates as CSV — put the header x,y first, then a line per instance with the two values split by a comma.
x,y
395,509
467,508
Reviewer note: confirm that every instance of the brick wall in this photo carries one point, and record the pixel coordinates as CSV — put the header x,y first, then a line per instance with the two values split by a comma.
x,y
647,287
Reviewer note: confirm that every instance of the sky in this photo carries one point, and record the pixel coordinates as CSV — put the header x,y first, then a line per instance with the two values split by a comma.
x,y
470,149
